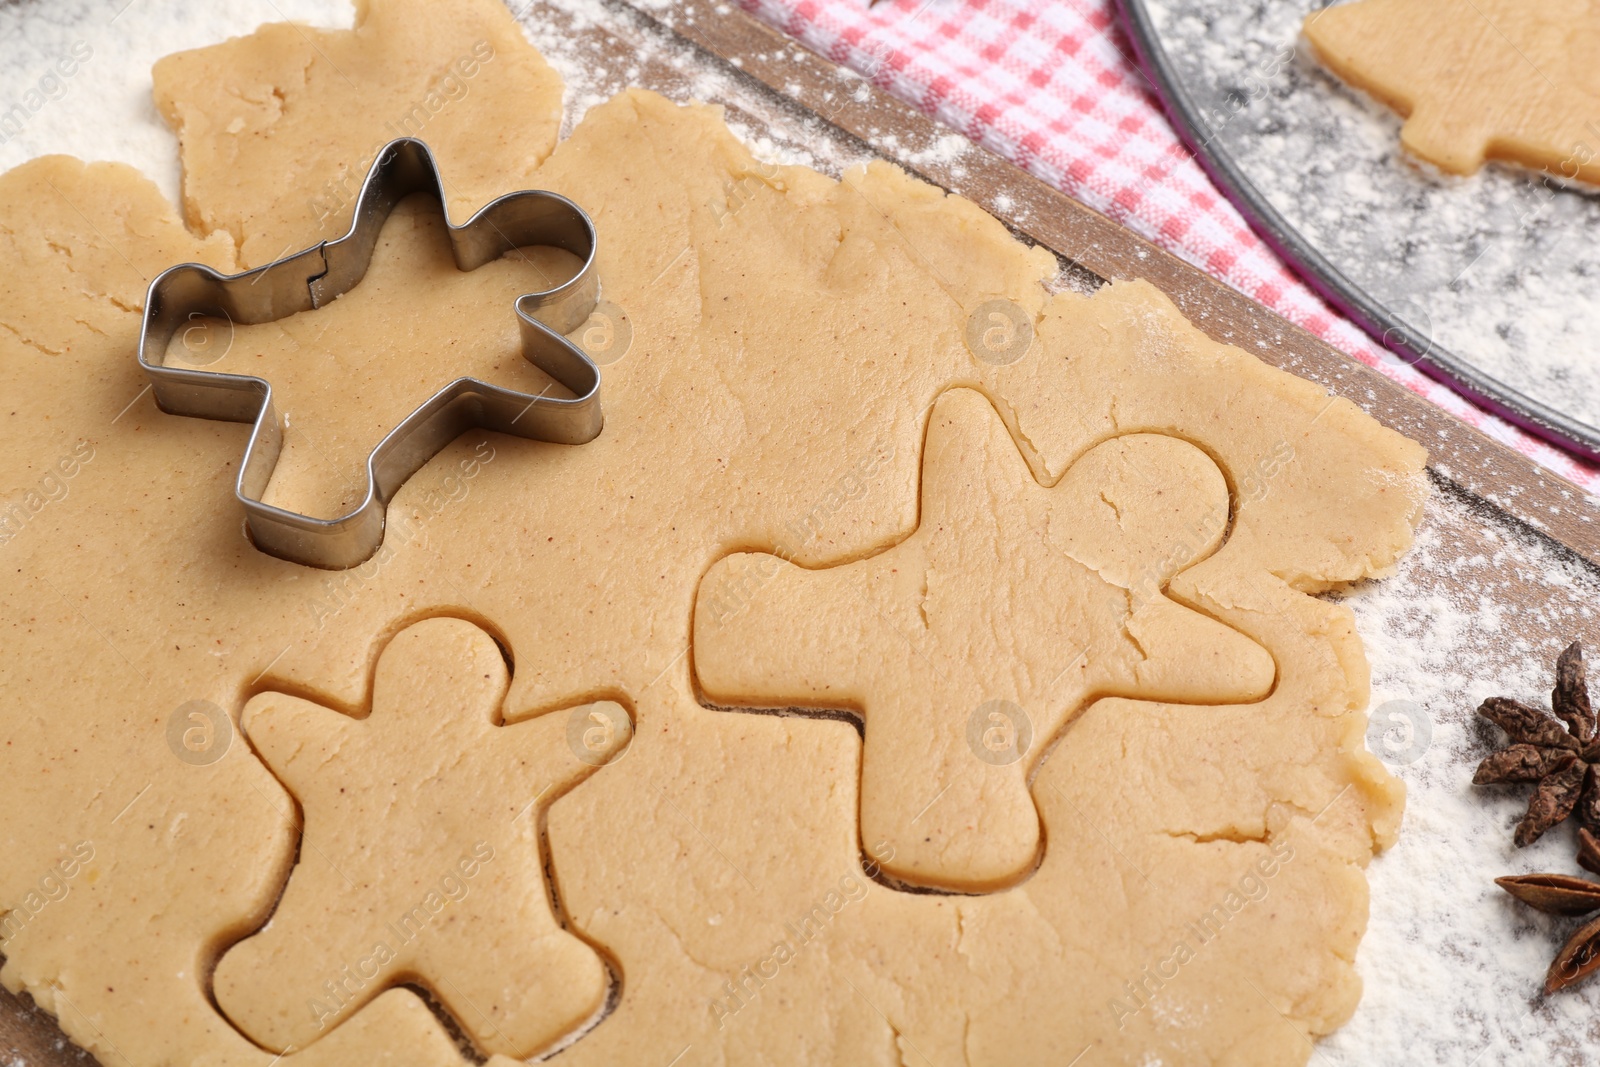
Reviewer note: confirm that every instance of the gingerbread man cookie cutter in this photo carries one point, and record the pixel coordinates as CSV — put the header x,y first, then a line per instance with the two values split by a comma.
x,y
313,278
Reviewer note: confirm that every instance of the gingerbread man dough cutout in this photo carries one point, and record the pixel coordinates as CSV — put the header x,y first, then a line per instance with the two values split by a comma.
x,y
420,860
1517,80
969,645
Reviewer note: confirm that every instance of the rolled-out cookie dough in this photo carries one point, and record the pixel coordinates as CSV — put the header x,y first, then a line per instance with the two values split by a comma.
x,y
718,866
1514,80
966,647
432,766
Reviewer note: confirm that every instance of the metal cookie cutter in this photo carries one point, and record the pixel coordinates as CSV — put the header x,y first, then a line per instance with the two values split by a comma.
x,y
312,279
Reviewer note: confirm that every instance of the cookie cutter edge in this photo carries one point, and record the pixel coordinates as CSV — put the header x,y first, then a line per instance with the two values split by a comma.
x,y
313,278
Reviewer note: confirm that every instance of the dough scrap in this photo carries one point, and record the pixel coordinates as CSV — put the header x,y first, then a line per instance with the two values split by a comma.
x,y
774,348
260,162
967,647
429,767
1514,80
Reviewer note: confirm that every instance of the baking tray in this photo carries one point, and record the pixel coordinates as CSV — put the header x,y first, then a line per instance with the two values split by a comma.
x,y
1367,230
1507,567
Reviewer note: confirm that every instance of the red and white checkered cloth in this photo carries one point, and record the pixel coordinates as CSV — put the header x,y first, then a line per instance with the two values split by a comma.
x,y
1051,85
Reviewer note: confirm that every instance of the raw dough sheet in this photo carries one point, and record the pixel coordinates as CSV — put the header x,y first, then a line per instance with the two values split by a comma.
x,y
1449,966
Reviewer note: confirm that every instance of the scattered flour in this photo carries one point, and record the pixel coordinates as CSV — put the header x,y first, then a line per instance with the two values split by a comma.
x,y
576,37
1451,964
1499,269
104,110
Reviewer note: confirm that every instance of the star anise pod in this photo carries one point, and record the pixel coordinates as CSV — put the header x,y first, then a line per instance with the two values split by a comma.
x,y
1562,894
1559,751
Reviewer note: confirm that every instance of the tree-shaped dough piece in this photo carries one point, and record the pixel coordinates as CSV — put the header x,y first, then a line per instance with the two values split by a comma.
x,y
420,859
966,647
1516,80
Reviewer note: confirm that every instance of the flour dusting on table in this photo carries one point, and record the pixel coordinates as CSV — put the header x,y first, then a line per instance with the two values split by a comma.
x,y
103,110
1452,965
